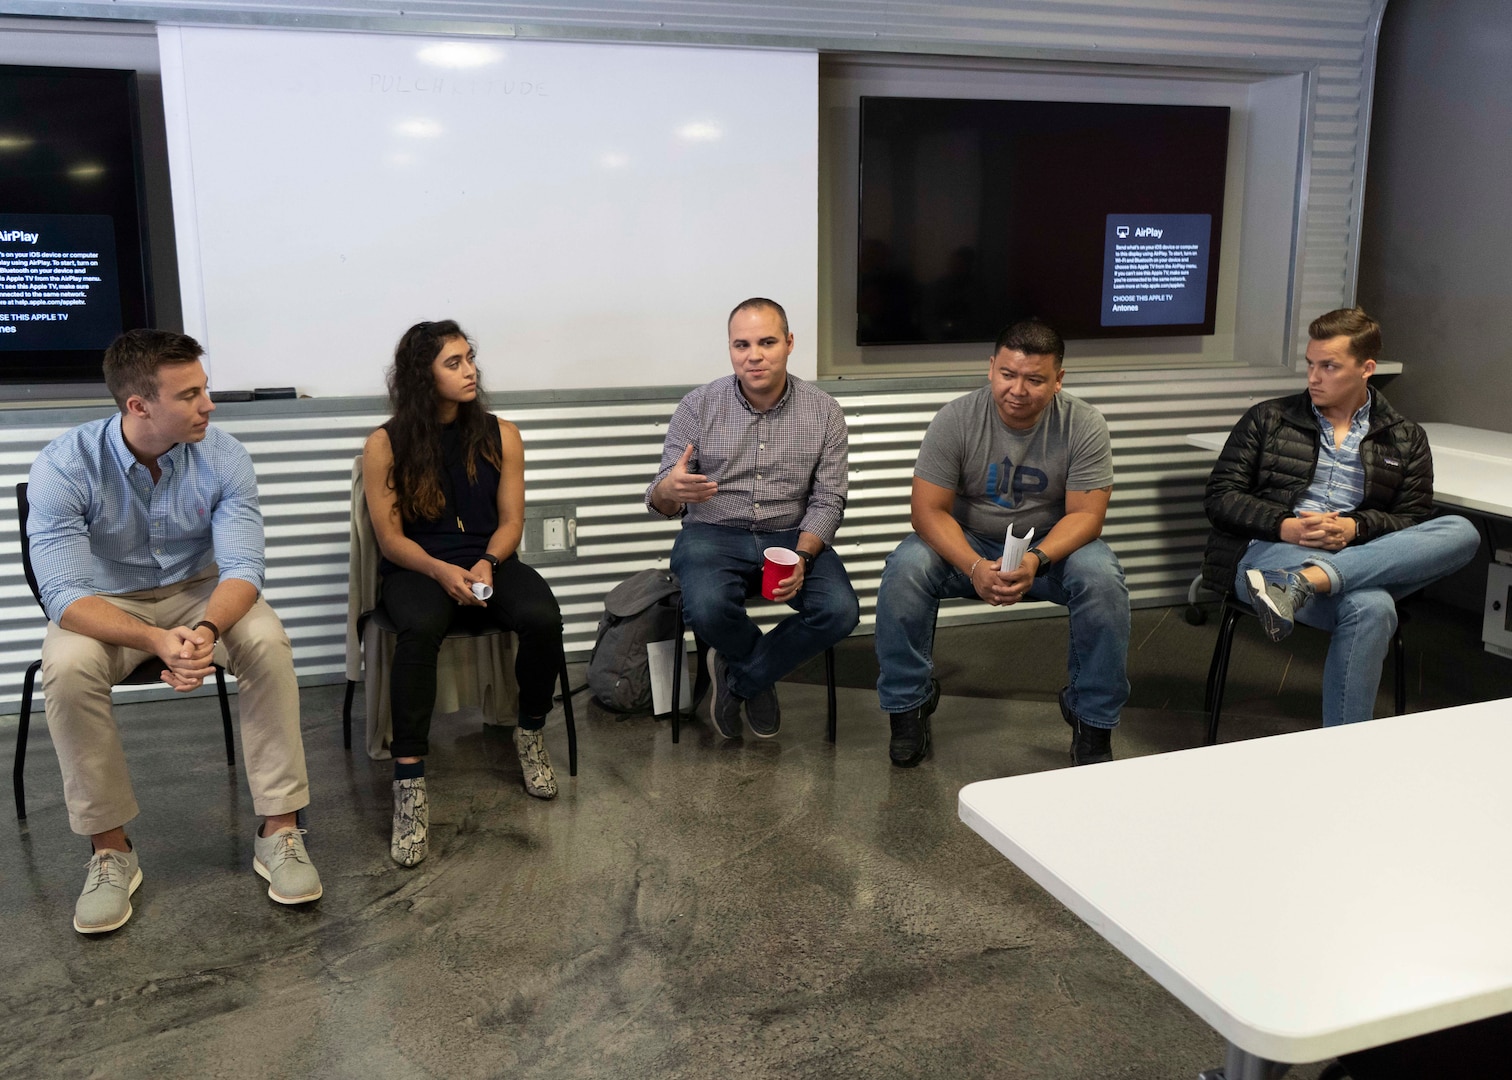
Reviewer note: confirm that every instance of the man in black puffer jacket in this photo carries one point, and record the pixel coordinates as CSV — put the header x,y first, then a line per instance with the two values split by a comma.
x,y
1331,531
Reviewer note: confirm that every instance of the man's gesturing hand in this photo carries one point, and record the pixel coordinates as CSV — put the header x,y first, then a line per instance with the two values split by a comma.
x,y
683,486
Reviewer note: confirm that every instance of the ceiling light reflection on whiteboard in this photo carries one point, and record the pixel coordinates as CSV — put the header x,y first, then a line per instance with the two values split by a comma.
x,y
460,54
700,131
419,128
614,160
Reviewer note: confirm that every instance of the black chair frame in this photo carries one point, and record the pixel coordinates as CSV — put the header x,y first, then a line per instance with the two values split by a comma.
x,y
146,673
1232,610
461,628
679,630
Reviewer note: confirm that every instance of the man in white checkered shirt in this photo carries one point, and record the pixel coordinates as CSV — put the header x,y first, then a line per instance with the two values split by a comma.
x,y
754,460
146,538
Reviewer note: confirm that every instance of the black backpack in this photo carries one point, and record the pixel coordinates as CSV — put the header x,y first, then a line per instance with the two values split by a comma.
x,y
640,609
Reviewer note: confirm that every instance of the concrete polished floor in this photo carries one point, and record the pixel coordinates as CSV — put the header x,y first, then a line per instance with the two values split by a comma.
x,y
776,908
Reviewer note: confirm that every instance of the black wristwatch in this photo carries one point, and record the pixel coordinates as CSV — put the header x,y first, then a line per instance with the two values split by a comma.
x,y
1041,556
213,628
491,560
808,561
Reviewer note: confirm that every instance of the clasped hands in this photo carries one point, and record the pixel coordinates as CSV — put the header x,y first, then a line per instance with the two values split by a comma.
x,y
1000,589
459,583
1325,530
189,655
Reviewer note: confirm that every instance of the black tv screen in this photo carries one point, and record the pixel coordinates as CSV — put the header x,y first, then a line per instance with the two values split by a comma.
x,y
1102,219
73,258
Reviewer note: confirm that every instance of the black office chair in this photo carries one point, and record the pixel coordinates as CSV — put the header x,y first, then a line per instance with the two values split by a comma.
x,y
468,622
1232,610
147,673
699,648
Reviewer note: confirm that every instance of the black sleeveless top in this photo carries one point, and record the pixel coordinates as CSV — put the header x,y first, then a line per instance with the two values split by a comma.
x,y
470,514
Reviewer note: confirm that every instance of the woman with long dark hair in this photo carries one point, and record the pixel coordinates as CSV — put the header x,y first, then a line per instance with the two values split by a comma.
x,y
445,486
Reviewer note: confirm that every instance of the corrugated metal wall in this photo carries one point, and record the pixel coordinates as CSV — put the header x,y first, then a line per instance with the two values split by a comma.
x,y
599,453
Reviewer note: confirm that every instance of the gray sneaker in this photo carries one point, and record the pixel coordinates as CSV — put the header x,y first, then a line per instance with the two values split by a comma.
x,y
764,713
408,843
1277,596
724,708
540,781
281,860
105,903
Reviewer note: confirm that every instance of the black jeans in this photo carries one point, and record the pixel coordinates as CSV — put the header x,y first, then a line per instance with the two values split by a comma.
x,y
521,602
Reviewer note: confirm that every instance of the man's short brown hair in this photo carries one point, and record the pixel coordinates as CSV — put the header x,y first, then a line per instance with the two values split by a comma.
x,y
133,359
760,303
1364,333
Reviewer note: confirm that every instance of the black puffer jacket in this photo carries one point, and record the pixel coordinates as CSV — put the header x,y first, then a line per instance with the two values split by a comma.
x,y
1269,460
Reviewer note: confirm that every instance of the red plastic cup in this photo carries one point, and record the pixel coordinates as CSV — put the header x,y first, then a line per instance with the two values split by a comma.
x,y
777,567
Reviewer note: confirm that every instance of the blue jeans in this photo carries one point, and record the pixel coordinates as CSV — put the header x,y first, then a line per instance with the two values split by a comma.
x,y
1089,583
719,567
1365,581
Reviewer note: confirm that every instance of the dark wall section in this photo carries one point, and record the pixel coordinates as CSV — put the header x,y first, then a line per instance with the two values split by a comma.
x,y
1436,246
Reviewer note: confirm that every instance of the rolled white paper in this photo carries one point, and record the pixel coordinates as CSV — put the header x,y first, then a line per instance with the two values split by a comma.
x,y
1014,550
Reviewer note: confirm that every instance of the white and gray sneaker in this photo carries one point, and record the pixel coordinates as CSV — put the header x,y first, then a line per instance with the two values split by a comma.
x,y
540,781
409,842
282,861
105,903
1277,596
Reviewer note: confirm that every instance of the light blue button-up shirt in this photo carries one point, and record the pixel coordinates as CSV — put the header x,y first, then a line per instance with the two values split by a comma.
x,y
1338,482
99,525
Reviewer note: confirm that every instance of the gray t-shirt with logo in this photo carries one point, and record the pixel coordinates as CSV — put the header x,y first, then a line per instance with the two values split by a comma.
x,y
1002,476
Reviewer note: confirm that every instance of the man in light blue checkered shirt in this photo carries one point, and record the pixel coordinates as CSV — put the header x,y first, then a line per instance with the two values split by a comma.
x,y
755,460
146,538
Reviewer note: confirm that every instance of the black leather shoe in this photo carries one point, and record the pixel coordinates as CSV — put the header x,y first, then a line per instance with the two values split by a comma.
x,y
1089,745
910,731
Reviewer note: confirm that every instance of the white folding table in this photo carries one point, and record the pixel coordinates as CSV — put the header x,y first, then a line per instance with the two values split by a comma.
x,y
1307,895
1472,468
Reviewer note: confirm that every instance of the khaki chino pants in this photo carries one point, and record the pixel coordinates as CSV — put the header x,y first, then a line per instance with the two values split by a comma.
x,y
78,673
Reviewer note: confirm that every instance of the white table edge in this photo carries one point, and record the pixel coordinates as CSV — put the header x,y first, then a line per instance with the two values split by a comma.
x,y
1280,1046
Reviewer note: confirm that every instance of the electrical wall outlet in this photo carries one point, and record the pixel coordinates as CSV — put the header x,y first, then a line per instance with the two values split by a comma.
x,y
550,534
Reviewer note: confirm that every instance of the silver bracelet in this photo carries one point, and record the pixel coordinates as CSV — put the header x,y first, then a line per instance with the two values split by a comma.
x,y
971,574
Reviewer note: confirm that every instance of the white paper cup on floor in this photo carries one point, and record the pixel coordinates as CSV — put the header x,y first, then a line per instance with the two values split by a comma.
x,y
482,591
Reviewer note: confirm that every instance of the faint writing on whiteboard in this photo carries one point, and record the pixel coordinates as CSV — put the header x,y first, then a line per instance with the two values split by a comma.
x,y
456,86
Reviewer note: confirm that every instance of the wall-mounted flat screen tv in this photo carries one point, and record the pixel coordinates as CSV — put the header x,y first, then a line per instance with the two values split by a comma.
x,y
1102,219
73,256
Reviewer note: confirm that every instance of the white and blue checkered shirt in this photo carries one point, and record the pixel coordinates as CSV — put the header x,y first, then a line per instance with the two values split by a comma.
x,y
99,525
1338,481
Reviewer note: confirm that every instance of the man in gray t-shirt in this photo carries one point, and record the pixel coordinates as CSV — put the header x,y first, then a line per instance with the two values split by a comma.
x,y
1020,453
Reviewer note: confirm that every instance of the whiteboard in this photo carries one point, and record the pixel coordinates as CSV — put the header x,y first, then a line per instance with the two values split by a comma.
x,y
589,213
